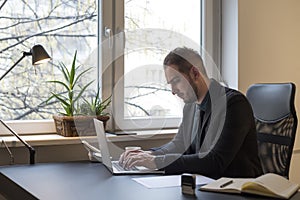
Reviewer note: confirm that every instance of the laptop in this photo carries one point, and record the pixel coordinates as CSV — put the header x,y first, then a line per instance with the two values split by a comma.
x,y
113,166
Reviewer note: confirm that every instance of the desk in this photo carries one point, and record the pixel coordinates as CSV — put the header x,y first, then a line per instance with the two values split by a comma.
x,y
85,180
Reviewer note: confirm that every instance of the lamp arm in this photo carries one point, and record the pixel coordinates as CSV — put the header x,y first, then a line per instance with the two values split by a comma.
x,y
24,55
30,148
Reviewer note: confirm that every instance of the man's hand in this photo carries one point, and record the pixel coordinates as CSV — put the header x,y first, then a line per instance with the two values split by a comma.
x,y
137,158
126,154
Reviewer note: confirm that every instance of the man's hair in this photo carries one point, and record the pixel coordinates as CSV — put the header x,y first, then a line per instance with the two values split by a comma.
x,y
184,58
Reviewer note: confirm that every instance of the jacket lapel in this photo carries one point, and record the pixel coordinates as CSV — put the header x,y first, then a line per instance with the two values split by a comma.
x,y
188,125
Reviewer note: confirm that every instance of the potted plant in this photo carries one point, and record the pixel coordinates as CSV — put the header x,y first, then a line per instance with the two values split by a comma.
x,y
75,121
95,107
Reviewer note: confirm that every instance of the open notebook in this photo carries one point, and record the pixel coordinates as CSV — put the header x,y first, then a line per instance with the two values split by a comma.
x,y
271,185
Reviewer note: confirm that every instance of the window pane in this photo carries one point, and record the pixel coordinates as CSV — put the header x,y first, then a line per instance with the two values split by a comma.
x,y
153,28
62,27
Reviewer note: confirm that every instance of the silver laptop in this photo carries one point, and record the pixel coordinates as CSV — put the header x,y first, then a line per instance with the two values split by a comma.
x,y
114,166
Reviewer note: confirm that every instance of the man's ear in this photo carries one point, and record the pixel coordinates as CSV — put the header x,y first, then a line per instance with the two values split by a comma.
x,y
195,73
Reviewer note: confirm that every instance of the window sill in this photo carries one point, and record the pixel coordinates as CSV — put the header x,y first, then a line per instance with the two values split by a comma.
x,y
24,127
56,148
55,139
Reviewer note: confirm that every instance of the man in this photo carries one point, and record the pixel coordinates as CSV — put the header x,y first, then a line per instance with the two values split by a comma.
x,y
217,136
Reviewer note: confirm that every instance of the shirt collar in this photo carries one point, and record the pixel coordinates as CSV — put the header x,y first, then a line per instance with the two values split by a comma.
x,y
203,104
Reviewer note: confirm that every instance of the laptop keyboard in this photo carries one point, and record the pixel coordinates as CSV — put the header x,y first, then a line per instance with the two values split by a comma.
x,y
120,168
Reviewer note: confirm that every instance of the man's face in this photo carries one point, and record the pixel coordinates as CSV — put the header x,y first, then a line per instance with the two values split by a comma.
x,y
182,84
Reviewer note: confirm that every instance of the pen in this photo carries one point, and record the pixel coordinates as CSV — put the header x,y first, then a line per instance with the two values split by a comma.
x,y
226,184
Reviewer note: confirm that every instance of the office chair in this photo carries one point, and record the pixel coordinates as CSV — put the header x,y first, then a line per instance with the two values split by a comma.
x,y
276,124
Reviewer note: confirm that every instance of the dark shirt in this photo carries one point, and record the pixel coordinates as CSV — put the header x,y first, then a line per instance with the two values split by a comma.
x,y
228,146
203,109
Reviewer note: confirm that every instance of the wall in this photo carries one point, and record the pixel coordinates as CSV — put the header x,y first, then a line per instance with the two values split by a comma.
x,y
49,153
268,49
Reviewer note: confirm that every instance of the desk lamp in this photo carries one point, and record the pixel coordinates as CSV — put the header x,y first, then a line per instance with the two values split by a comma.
x,y
39,56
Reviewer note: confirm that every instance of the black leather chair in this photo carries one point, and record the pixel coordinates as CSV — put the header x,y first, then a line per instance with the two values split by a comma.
x,y
276,124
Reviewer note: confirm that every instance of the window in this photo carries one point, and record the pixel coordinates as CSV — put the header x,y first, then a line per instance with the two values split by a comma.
x,y
147,30
61,27
133,37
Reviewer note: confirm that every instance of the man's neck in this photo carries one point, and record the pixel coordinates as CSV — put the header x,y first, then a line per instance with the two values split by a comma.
x,y
205,87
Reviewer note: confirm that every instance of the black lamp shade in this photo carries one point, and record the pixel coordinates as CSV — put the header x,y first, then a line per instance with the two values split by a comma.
x,y
39,55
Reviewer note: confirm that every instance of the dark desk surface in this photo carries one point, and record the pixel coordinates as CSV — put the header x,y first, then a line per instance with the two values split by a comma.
x,y
84,180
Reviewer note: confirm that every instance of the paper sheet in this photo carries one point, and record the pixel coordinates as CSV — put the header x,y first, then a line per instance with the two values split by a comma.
x,y
168,181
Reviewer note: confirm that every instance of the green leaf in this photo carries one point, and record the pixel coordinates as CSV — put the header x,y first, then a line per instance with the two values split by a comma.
x,y
65,71
61,83
82,90
63,101
71,95
72,73
68,110
102,106
97,99
81,74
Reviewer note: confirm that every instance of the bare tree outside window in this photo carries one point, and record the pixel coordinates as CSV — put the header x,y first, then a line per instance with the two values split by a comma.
x,y
62,27
144,80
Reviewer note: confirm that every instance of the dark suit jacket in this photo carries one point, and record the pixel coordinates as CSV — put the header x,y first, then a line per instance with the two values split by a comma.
x,y
229,147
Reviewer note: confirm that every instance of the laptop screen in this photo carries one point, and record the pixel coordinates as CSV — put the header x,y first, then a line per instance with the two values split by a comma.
x,y
103,146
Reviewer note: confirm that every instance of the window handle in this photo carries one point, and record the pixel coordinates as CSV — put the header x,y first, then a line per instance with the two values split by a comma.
x,y
108,34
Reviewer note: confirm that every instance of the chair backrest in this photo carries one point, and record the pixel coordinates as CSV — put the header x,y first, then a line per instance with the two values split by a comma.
x,y
276,124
